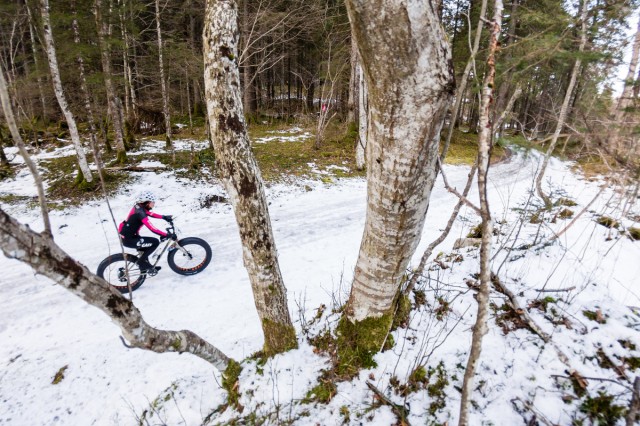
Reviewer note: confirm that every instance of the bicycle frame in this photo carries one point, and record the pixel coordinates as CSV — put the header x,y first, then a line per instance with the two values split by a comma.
x,y
170,245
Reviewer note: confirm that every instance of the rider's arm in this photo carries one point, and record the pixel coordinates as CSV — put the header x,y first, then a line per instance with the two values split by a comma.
x,y
152,228
154,215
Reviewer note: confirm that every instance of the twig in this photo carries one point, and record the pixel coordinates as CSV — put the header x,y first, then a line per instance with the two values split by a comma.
x,y
538,415
576,217
462,198
598,379
555,290
399,410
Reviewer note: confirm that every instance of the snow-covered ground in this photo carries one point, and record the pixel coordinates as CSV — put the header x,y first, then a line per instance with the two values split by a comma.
x,y
44,329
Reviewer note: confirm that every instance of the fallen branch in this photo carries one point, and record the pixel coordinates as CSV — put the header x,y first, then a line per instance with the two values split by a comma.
x,y
40,252
555,290
136,169
399,410
515,305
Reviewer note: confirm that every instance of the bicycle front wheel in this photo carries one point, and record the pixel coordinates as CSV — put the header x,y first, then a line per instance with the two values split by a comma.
x,y
116,269
192,258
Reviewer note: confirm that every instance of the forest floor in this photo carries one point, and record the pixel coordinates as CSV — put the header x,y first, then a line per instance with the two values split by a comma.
x,y
62,361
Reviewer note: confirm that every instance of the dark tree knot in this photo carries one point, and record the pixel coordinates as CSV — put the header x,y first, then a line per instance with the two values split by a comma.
x,y
227,53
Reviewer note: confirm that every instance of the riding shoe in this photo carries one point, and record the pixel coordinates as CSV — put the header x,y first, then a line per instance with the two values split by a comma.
x,y
147,267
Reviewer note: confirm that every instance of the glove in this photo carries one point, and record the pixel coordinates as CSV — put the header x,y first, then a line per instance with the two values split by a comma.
x,y
167,218
169,235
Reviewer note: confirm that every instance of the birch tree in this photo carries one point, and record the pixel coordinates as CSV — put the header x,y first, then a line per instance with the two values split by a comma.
x,y
406,62
57,87
480,328
240,173
17,138
163,81
627,96
113,106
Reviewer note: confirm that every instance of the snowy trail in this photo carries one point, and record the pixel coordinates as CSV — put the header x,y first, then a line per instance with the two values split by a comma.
x,y
44,328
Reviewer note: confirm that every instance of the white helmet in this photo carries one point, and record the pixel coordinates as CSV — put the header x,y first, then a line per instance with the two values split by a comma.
x,y
145,196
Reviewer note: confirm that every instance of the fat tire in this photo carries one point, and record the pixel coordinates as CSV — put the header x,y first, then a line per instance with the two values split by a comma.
x,y
118,257
185,243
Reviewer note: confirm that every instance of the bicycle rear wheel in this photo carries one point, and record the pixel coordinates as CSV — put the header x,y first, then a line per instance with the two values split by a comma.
x,y
193,259
116,268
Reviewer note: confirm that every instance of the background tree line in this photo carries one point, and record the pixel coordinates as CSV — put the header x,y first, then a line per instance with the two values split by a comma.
x,y
144,71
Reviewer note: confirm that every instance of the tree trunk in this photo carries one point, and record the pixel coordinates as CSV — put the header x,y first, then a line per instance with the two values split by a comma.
x,y
565,105
241,175
17,139
407,105
627,96
57,86
460,92
129,94
83,84
363,112
112,106
163,81
484,149
352,102
45,257
36,62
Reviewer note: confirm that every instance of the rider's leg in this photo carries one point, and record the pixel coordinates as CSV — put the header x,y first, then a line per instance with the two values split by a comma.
x,y
146,245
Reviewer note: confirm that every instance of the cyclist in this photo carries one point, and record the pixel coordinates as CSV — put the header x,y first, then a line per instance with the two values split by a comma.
x,y
129,229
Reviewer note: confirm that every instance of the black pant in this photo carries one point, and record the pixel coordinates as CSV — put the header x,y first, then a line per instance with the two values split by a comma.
x,y
146,244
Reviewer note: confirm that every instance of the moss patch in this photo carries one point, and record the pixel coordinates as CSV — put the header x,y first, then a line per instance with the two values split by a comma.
x,y
542,304
565,214
608,222
634,233
566,202
601,409
231,384
403,312
278,337
278,157
359,341
464,148
323,392
59,375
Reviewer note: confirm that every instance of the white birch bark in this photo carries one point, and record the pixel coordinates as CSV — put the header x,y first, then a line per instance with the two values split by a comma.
x,y
57,87
83,83
565,104
363,112
484,149
15,133
163,81
112,106
626,98
407,67
36,63
17,241
241,176
126,69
